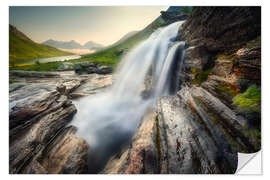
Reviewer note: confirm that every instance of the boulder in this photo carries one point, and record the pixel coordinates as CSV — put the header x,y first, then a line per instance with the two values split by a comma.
x,y
104,70
91,68
66,66
85,67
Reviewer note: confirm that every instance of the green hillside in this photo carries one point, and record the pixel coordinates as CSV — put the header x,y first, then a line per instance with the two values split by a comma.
x,y
112,54
22,48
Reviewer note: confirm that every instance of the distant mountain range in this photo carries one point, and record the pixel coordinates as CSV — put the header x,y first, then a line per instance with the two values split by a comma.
x,y
73,45
22,47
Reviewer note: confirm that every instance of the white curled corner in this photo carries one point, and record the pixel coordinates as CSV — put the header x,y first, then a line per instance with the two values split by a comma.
x,y
250,163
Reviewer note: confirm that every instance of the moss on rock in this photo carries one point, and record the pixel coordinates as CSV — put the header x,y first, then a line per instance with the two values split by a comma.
x,y
201,77
227,88
249,101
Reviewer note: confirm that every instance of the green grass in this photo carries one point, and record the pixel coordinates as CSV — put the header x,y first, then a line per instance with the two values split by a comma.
x,y
250,100
111,55
21,48
50,66
108,56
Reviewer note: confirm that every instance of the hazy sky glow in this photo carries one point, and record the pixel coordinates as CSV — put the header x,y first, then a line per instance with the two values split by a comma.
x,y
101,24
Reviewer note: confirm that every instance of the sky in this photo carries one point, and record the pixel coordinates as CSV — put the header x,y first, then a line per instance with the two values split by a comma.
x,y
100,24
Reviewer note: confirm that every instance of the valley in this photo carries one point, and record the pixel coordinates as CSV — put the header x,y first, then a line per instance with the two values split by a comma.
x,y
181,96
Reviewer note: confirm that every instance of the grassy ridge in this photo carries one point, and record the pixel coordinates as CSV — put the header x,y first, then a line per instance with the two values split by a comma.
x,y
111,55
22,48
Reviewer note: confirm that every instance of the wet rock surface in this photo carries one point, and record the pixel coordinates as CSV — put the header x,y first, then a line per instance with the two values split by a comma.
x,y
94,84
190,133
199,130
142,156
65,154
39,111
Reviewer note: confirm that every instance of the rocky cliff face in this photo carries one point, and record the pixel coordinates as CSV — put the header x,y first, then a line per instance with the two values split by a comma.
x,y
223,51
216,112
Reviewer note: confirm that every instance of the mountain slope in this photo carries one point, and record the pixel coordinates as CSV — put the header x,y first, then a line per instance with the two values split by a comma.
x,y
92,46
125,37
73,44
63,44
23,48
112,54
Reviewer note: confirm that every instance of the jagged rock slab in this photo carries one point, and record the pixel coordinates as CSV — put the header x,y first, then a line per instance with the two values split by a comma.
x,y
186,145
36,129
174,140
142,157
65,154
95,83
39,111
192,132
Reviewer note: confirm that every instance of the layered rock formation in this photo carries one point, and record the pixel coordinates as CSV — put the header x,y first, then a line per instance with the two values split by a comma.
x,y
201,130
214,115
40,109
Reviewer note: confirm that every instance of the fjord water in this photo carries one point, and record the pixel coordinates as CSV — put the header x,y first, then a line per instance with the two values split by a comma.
x,y
108,120
51,59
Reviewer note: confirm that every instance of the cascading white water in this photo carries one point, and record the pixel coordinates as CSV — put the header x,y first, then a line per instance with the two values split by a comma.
x,y
108,120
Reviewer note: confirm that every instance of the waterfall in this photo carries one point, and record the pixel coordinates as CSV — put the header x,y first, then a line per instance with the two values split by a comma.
x,y
108,120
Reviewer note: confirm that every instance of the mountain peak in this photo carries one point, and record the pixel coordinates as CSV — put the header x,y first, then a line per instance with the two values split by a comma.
x,y
72,44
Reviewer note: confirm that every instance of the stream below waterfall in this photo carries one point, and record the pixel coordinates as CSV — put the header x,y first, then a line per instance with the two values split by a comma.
x,y
108,120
